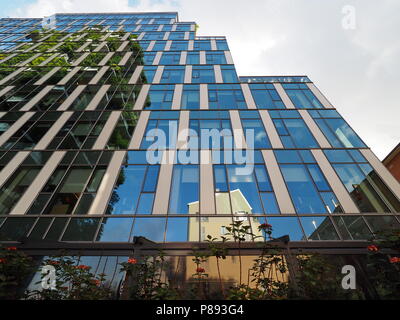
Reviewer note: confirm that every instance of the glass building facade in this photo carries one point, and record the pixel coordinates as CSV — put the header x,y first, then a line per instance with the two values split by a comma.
x,y
82,106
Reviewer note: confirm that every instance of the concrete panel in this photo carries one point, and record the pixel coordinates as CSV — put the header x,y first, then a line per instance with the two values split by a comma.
x,y
176,101
36,98
161,200
72,97
207,194
248,96
107,131
316,132
158,74
278,183
140,130
271,131
188,74
183,130
135,75
319,95
93,104
55,128
38,183
15,127
285,98
13,165
238,133
203,96
218,74
141,99
106,187
337,186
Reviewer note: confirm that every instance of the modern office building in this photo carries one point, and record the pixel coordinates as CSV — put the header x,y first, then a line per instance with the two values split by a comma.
x,y
83,102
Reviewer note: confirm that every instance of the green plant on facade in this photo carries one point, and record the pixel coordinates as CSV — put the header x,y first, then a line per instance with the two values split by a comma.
x,y
144,279
383,268
219,251
72,282
15,267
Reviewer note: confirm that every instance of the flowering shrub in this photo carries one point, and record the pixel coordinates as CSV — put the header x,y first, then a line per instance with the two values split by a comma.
x,y
72,282
15,266
143,280
383,269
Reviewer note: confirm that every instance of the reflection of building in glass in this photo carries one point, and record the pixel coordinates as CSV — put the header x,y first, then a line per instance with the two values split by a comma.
x,y
216,227
392,162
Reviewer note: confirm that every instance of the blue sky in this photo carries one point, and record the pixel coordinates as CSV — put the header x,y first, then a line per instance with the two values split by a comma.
x,y
8,7
357,69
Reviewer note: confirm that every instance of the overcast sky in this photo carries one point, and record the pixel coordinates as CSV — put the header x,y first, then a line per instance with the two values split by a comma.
x,y
356,67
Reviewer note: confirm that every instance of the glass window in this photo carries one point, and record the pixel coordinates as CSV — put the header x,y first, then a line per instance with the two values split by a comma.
x,y
181,229
15,187
160,97
215,57
160,134
244,189
226,97
343,133
123,131
203,45
261,140
128,191
229,74
352,228
301,96
266,97
179,45
193,58
81,229
319,228
172,58
382,223
175,74
203,74
115,230
286,226
190,97
13,229
302,190
297,130
360,189
184,196
151,228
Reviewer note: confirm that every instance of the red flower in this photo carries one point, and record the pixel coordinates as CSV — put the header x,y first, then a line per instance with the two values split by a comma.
x,y
53,263
132,261
12,248
394,260
3,260
372,248
265,226
83,267
96,282
200,270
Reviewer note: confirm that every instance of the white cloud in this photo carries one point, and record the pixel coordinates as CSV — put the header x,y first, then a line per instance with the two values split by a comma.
x,y
356,69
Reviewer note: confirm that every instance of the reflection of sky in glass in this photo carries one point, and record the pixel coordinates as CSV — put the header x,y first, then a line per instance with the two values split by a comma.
x,y
286,226
177,229
129,191
184,188
304,195
115,230
150,228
